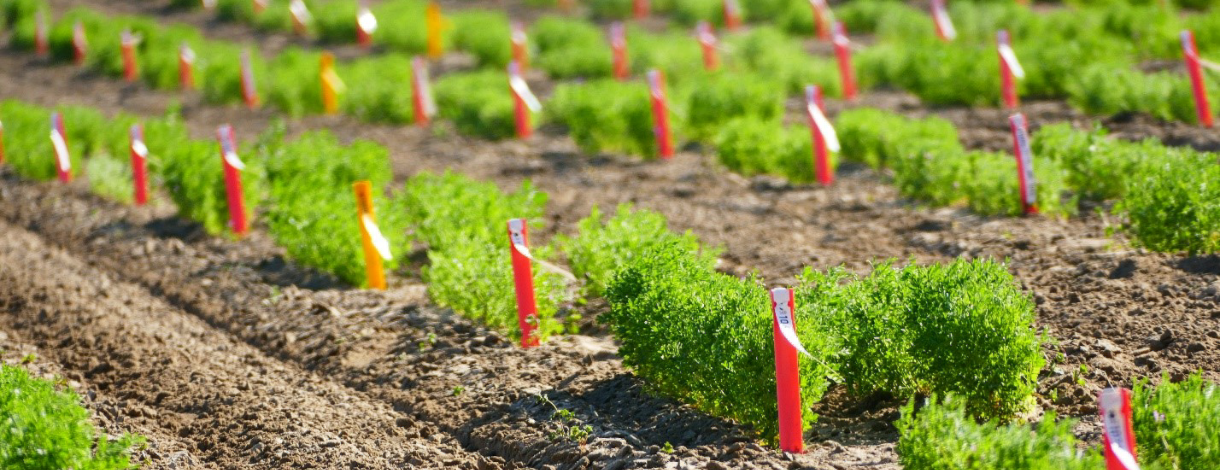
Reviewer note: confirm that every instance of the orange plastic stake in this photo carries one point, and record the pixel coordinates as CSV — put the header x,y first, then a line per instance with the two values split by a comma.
x,y
59,140
376,247
1010,70
436,26
233,167
259,6
80,43
523,280
787,370
332,85
186,67
944,25
139,164
249,90
847,73
707,40
520,45
732,15
640,9
1114,404
618,46
822,18
660,114
301,18
566,6
524,101
421,92
366,25
1025,163
41,45
1193,66
825,140
127,43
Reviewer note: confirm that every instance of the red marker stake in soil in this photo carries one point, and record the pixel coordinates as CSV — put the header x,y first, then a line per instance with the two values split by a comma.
x,y
847,74
732,15
524,101
1,142
421,92
707,40
1025,163
366,25
520,45
618,46
41,45
523,279
787,370
1191,52
186,67
825,140
127,43
80,43
1114,404
944,25
139,164
1010,69
640,9
59,140
660,114
233,167
249,91
822,18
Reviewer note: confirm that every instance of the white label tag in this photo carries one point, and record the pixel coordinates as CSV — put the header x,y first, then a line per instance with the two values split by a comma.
x,y
137,143
186,54
1021,133
781,297
379,241
424,82
1187,43
618,36
839,36
228,148
820,121
941,16
78,36
1010,58
366,20
706,36
1115,426
518,34
333,81
127,39
732,8
300,11
523,91
247,75
208,4
62,157
654,85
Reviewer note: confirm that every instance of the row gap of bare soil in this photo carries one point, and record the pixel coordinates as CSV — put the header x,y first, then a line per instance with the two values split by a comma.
x,y
1123,312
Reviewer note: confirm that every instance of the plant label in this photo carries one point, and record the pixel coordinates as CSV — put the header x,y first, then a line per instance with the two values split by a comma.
x,y
301,18
59,141
1025,163
847,73
232,171
128,42
376,247
707,41
618,46
259,6
421,91
944,25
787,370
523,280
366,25
80,44
1,141
1010,69
208,4
1191,52
660,114
332,85
524,101
41,45
640,9
732,15
520,45
822,18
825,140
436,26
139,163
249,90
186,67
1114,404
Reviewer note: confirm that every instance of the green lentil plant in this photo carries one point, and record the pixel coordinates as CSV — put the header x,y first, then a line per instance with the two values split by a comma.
x,y
485,35
991,186
717,98
1174,204
1097,166
751,146
376,90
478,103
767,52
1175,423
570,49
27,143
607,115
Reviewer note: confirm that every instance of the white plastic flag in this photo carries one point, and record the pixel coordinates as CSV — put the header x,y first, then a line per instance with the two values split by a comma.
x,y
784,318
379,241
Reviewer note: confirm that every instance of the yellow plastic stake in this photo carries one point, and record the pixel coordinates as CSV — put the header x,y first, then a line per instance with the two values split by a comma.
x,y
372,259
436,25
332,85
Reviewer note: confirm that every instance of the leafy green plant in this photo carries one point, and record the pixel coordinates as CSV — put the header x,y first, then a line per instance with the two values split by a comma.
x,y
28,147
46,428
376,90
1174,205
570,49
767,52
193,175
478,103
485,35
605,115
718,98
1175,423
751,146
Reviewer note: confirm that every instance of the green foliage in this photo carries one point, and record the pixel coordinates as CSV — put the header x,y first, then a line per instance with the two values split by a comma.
x,y
751,146
293,82
485,35
1106,90
335,22
766,52
571,49
45,428
990,184
402,26
706,337
193,174
1098,167
378,90
1174,205
610,9
1175,423
110,177
606,115
942,435
674,52
717,98
478,103
602,248
27,143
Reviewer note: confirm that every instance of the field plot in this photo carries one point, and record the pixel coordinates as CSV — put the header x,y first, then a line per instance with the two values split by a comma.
x,y
945,328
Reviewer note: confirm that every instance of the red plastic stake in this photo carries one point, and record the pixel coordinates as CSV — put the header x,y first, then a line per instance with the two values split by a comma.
x,y
732,15
233,167
186,67
707,40
80,43
944,25
660,114
1,142
41,45
520,45
824,138
822,18
618,45
128,43
249,91
1010,69
524,101
640,9
366,25
421,92
300,17
1202,107
1025,163
523,279
139,164
1118,435
59,140
787,370
847,73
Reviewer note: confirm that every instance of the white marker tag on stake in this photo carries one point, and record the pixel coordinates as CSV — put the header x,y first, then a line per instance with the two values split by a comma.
x,y
1027,158
1114,425
823,125
654,85
62,158
300,11
332,79
208,4
227,147
1010,58
839,35
379,241
941,16
705,33
425,89
186,53
137,143
366,20
515,235
523,91
1188,44
518,33
783,317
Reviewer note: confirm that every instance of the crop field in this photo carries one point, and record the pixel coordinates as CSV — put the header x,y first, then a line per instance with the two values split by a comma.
x,y
557,234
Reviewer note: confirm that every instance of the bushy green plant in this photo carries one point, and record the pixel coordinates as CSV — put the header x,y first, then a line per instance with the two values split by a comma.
x,y
767,52
378,90
606,115
751,146
674,52
942,435
601,249
879,138
991,185
45,427
610,9
110,177
403,26
335,22
293,82
1175,423
1174,204
1097,166
570,49
706,338
27,142
478,103
193,175
718,98
485,35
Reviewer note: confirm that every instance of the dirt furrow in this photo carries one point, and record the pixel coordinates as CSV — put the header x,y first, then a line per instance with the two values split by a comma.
x,y
234,406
